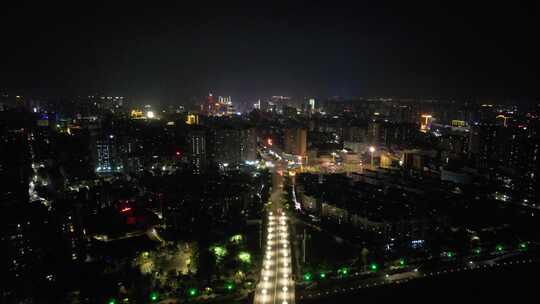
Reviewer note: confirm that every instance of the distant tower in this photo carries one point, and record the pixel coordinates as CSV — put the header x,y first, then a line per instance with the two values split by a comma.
x,y
209,107
425,122
312,105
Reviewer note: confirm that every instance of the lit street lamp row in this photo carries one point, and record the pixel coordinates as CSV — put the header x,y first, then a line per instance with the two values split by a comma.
x,y
276,285
471,267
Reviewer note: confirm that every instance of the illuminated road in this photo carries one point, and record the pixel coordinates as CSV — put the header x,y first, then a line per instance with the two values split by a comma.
x,y
276,285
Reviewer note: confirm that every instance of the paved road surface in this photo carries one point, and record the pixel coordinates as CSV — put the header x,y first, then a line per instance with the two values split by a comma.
x,y
276,285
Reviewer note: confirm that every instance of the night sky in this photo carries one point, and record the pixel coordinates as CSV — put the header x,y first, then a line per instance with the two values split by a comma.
x,y
166,54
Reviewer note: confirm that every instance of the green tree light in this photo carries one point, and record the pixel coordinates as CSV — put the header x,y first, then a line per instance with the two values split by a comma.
x,y
244,257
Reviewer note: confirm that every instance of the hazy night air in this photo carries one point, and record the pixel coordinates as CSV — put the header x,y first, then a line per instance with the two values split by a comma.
x,y
269,153
295,49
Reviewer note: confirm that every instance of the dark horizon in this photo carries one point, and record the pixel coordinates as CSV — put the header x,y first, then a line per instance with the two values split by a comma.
x,y
301,49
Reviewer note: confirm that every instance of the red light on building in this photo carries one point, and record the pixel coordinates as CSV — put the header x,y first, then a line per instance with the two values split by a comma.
x,y
269,141
126,209
177,153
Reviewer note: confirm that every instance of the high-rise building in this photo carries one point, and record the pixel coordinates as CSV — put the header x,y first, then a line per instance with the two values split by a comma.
x,y
233,146
248,145
107,158
224,100
425,122
374,132
311,105
14,166
522,156
482,144
197,150
295,141
355,134
207,106
534,166
220,107
455,143
225,146
192,119
514,150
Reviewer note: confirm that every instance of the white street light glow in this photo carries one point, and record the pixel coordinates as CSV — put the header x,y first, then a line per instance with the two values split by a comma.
x,y
276,285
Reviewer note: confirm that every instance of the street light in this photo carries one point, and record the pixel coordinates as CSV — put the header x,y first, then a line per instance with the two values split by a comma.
x,y
372,150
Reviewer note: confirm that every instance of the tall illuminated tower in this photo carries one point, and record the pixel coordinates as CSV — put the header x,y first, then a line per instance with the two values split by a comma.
x,y
425,122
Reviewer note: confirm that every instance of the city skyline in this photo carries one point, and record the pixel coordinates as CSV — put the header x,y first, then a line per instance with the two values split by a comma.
x,y
297,152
